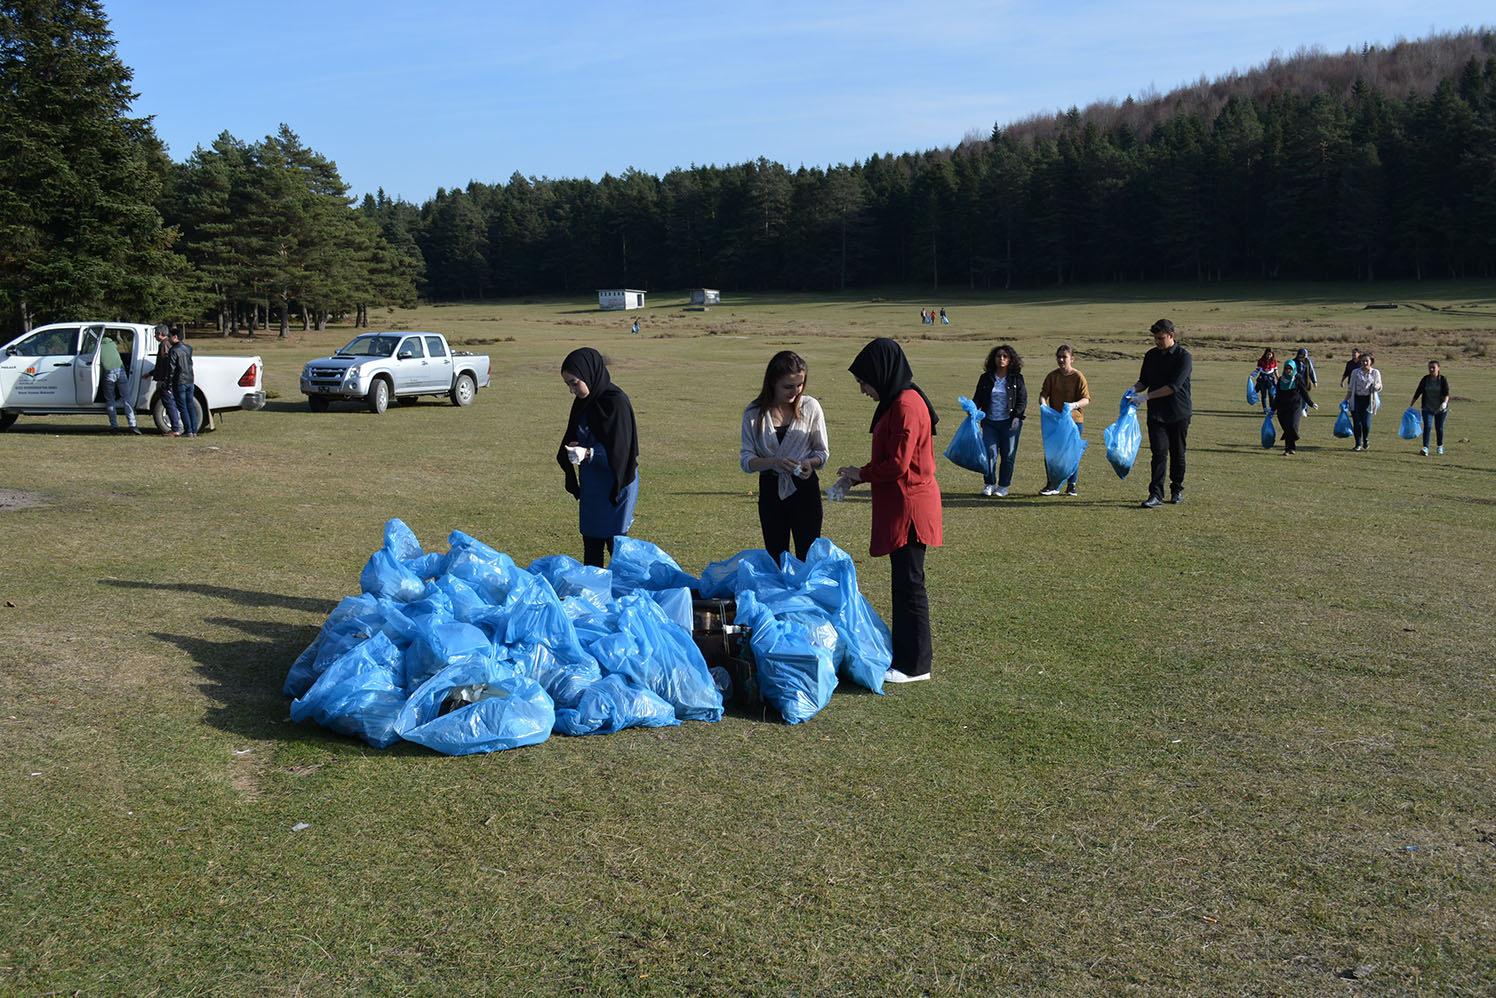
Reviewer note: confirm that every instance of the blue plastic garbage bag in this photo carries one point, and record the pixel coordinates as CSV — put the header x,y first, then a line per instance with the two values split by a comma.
x,y
795,675
492,573
440,644
677,605
612,704
1124,437
1343,425
1252,397
867,645
1063,445
565,679
967,449
354,620
639,564
719,580
1412,424
386,575
652,650
360,694
400,540
570,577
466,602
489,708
1269,431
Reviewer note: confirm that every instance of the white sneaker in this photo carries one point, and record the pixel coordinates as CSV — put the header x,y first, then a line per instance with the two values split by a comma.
x,y
1002,490
988,490
895,676
1424,452
1049,492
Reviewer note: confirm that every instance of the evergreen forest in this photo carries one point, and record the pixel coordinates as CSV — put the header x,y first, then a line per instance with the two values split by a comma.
x,y
1368,165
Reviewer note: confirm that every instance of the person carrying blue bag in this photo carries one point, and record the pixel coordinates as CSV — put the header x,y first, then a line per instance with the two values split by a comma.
x,y
1434,390
1003,398
1164,382
1064,390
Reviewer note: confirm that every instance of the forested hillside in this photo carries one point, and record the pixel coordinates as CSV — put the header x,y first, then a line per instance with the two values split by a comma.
x,y
1366,165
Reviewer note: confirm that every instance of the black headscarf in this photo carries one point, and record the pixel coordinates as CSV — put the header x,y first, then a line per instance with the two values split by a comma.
x,y
609,415
882,365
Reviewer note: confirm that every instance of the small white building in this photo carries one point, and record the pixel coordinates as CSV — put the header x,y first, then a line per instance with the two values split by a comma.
x,y
706,296
614,299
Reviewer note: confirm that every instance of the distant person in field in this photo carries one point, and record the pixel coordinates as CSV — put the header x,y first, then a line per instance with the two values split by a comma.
x,y
1266,377
1308,380
923,317
1002,397
906,497
1433,388
117,384
1066,384
1365,384
635,330
784,440
1289,405
1164,383
1350,366
599,453
944,321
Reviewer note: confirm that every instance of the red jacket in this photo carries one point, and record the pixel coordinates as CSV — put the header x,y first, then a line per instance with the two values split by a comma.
x,y
902,475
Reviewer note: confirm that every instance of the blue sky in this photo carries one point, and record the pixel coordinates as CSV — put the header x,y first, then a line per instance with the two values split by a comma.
x,y
413,99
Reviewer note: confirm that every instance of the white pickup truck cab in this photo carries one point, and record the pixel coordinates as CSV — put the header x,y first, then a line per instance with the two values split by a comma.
x,y
377,367
54,369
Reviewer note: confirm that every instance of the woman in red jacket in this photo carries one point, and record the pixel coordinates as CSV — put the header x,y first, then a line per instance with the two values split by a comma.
x,y
906,497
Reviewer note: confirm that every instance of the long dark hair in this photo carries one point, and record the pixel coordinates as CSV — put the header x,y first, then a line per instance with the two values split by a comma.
x,y
782,364
1015,362
1267,355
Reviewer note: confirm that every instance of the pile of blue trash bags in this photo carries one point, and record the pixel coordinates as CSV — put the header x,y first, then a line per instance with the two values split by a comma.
x,y
465,652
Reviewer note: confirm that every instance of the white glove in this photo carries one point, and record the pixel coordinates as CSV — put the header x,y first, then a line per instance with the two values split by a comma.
x,y
576,455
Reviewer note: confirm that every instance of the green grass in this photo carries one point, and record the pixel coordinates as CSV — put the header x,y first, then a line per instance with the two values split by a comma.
x,y
1240,746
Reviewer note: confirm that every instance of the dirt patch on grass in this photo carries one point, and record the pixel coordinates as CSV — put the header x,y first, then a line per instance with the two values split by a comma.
x,y
21,499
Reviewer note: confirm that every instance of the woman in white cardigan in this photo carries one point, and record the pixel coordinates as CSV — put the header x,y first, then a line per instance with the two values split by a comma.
x,y
784,440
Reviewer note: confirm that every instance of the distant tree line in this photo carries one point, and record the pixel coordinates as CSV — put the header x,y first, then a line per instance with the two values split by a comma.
x,y
1368,165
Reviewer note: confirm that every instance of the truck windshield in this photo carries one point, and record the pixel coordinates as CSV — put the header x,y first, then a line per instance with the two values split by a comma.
x,y
371,346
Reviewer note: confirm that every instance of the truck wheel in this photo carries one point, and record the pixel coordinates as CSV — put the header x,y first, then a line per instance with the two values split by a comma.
x,y
317,403
7,419
163,423
378,398
463,390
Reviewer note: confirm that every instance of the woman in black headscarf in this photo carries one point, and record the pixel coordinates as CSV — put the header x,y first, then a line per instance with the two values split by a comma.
x,y
599,453
906,497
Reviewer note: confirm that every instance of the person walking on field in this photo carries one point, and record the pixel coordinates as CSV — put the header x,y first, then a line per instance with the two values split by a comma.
x,y
1350,366
784,440
1002,397
1066,384
1164,383
117,385
1365,383
906,497
1290,405
1433,388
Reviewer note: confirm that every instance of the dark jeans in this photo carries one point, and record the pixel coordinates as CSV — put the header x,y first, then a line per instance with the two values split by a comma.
x,y
1166,441
1436,418
173,418
185,409
1361,419
592,550
1290,411
912,649
799,515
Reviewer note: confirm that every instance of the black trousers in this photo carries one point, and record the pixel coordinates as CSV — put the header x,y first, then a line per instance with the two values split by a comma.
x,y
1166,441
592,550
799,515
912,649
1290,411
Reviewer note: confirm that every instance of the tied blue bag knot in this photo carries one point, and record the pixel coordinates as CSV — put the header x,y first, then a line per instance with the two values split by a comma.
x,y
1269,431
967,449
1124,437
1412,424
1063,445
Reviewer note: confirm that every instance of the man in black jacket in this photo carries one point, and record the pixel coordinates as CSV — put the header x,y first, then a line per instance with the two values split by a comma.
x,y
1165,383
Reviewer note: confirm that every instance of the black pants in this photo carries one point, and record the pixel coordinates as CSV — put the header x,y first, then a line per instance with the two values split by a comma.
x,y
1166,441
799,515
1290,411
912,649
592,550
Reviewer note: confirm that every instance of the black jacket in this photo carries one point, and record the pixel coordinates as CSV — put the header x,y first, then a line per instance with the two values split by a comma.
x,y
1017,393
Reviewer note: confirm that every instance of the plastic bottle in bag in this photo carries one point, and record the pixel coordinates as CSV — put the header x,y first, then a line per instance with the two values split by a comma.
x,y
839,488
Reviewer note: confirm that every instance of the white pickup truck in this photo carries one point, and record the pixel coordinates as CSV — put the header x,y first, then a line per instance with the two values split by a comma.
x,y
377,367
54,369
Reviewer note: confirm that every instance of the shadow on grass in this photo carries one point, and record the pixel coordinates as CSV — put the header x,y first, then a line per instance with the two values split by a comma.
x,y
244,597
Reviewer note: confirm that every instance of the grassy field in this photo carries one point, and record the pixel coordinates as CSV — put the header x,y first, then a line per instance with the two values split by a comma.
x,y
1246,745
